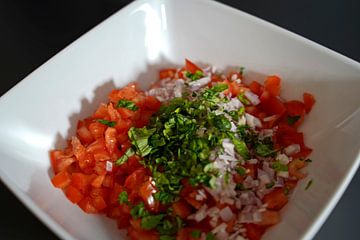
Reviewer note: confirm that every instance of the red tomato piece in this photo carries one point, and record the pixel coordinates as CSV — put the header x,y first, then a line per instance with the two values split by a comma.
x,y
101,112
271,105
253,231
110,139
61,180
181,208
256,88
269,218
134,181
73,194
146,192
143,235
59,161
167,73
85,135
191,67
98,203
276,199
97,129
295,108
309,101
272,85
86,205
152,103
80,181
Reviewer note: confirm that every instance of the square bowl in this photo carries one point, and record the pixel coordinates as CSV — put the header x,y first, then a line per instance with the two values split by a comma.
x,y
42,110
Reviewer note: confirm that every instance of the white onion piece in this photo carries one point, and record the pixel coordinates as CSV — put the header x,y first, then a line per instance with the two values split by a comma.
x,y
109,166
257,216
178,89
226,214
195,85
253,98
283,159
283,174
268,169
200,214
263,176
220,228
252,121
292,149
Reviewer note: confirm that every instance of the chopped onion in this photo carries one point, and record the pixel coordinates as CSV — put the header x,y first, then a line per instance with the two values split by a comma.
x,y
257,216
195,85
263,177
220,228
252,121
226,214
283,174
200,214
109,166
253,98
252,161
292,149
283,159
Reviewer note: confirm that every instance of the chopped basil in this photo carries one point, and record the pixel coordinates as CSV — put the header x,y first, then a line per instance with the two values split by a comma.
x,y
279,167
129,152
220,87
264,150
308,185
196,76
292,119
241,171
151,221
243,99
240,147
196,233
270,185
123,197
210,236
241,71
139,211
163,197
140,139
107,122
123,103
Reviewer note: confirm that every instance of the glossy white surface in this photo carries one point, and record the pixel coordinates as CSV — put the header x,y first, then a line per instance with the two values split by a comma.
x,y
41,111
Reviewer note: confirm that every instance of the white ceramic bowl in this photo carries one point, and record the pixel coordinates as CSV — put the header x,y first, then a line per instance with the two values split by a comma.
x,y
41,111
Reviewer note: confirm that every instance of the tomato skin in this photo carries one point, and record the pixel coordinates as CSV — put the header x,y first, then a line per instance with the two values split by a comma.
x,y
61,180
60,161
181,208
271,105
256,88
167,73
253,231
85,135
81,182
309,101
86,205
97,129
146,193
191,67
276,199
134,181
269,218
272,85
73,194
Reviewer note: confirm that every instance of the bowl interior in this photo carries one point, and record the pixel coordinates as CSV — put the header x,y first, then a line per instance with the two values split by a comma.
x,y
43,109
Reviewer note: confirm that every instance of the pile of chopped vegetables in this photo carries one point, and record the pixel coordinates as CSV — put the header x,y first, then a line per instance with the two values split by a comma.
x,y
201,155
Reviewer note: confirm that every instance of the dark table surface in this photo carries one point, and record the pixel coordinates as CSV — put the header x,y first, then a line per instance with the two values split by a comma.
x,y
32,31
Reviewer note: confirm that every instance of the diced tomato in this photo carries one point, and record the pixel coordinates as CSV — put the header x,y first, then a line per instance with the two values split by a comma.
x,y
251,170
309,101
143,235
99,203
73,194
276,199
78,148
61,180
185,233
253,231
110,139
97,129
86,205
181,208
269,218
108,181
294,168
152,103
290,184
167,73
230,225
271,105
237,178
80,181
136,179
102,112
256,88
123,126
295,108
191,67
272,85
97,182
123,221
193,202
146,192
85,135
59,161
114,195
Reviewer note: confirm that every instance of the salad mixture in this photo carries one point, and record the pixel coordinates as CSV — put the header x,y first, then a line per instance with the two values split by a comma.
x,y
201,155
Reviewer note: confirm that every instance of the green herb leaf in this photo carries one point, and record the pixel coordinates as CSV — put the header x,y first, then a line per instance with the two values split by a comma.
x,y
150,222
308,160
163,197
107,122
196,234
140,139
129,152
241,71
240,147
243,99
210,236
123,197
241,171
279,167
196,76
264,150
123,103
270,185
308,185
292,119
220,87
139,211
